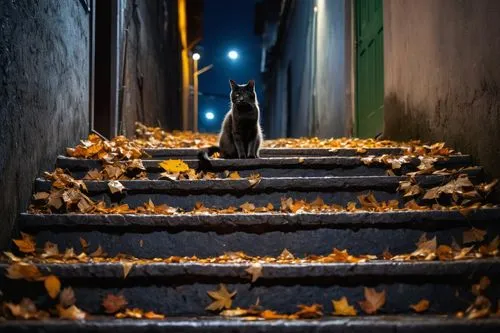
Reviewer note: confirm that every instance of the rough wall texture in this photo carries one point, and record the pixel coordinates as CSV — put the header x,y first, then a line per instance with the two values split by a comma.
x,y
43,94
442,74
150,87
308,88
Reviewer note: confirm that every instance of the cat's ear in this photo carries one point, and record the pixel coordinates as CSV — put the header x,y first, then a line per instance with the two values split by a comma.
x,y
233,84
251,84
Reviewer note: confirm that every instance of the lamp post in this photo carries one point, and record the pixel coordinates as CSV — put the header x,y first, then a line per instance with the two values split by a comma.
x,y
196,73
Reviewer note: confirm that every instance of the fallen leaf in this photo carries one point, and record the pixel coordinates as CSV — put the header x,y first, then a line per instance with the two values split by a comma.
x,y
286,255
22,270
222,298
484,283
373,300
473,235
99,252
115,186
50,250
72,312
26,244
247,207
421,306
153,315
67,297
309,311
114,303
41,196
84,243
342,308
255,270
52,285
174,166
26,309
127,266
234,175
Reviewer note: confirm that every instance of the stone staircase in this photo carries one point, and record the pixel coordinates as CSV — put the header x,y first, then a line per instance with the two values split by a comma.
x,y
307,273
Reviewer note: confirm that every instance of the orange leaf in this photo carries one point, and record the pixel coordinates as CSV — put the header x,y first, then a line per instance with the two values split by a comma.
x,y
53,286
222,298
26,244
421,306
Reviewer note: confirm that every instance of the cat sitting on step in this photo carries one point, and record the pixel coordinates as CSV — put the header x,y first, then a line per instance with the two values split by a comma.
x,y
241,135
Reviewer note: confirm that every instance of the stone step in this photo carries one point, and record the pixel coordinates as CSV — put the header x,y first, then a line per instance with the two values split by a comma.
x,y
372,324
280,167
223,193
205,235
190,153
181,289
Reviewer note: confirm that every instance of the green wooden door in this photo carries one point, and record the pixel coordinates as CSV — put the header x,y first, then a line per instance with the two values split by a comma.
x,y
369,68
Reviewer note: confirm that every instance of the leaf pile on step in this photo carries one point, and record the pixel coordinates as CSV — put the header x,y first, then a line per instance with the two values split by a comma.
x,y
458,192
96,148
119,170
155,137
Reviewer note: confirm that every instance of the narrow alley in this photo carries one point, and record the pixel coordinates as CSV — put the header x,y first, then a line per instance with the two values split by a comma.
x,y
372,204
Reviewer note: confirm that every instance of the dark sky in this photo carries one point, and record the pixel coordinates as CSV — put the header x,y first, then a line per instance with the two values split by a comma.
x,y
228,25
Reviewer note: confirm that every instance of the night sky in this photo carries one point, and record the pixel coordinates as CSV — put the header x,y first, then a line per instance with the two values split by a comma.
x,y
228,25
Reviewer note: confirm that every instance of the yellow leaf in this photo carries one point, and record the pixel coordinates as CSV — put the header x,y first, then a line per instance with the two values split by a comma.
x,y
53,286
255,270
421,306
373,300
247,207
342,308
153,315
115,186
234,175
174,166
309,311
127,266
222,298
286,255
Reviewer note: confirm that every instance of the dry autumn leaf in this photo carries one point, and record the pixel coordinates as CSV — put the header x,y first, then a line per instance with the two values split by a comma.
x,y
222,298
174,166
115,186
22,270
26,309
26,244
255,270
127,266
71,312
234,175
41,196
342,308
52,285
484,283
286,255
114,303
373,300
309,311
153,315
67,297
421,306
473,235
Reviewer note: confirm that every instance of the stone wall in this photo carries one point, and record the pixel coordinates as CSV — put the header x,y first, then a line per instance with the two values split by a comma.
x,y
442,74
44,75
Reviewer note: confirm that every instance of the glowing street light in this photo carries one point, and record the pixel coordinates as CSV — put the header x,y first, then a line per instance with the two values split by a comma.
x,y
209,115
233,55
196,56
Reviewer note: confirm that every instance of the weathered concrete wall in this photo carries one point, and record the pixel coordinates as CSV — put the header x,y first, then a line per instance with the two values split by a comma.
x,y
442,74
44,68
314,56
333,109
150,88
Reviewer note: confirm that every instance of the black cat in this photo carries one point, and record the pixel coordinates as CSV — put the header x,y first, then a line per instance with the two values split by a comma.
x,y
241,135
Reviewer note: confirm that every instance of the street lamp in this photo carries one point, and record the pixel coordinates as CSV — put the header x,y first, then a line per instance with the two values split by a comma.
x,y
209,115
233,55
196,56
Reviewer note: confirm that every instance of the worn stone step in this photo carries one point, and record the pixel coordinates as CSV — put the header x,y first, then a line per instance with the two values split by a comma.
x,y
223,193
372,324
181,289
280,167
189,153
260,234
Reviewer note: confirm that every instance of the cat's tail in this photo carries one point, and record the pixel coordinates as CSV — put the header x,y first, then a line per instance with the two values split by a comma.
x,y
204,157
